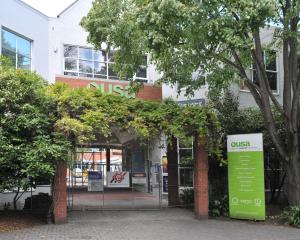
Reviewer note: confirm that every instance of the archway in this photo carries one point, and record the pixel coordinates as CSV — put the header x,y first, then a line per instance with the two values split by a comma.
x,y
91,117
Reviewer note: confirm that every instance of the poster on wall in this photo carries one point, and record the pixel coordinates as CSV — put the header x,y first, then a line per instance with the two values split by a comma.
x,y
95,183
246,176
164,163
118,179
139,178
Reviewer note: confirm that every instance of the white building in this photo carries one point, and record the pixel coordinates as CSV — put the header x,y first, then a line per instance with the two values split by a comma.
x,y
56,48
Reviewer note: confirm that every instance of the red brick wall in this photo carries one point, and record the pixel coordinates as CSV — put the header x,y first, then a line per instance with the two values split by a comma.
x,y
201,181
59,193
148,91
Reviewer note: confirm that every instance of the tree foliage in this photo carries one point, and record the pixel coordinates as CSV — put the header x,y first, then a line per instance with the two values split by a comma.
x,y
89,115
29,145
222,35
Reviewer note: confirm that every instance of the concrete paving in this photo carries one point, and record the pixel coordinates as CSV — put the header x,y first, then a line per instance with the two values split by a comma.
x,y
166,224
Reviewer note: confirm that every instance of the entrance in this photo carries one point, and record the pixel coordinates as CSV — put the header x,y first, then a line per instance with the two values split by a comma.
x,y
113,179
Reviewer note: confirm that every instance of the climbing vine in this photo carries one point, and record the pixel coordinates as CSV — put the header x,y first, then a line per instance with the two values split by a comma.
x,y
88,115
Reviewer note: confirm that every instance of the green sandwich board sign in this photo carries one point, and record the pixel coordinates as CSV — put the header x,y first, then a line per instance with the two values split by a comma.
x,y
246,176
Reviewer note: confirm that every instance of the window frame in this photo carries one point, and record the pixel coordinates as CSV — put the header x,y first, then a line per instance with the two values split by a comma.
x,y
107,62
18,35
251,69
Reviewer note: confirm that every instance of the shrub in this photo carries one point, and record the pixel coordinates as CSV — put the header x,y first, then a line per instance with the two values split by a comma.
x,y
293,216
219,208
187,197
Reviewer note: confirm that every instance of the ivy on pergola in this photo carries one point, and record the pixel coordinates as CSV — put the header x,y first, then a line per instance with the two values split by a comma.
x,y
85,115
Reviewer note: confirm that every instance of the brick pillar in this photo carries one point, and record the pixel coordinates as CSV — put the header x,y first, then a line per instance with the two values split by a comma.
x,y
59,192
201,180
172,156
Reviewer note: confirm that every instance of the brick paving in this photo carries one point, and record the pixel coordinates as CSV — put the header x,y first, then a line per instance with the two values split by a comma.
x,y
166,224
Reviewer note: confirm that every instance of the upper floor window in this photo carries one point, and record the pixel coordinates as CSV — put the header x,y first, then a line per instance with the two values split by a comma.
x,y
270,60
17,49
87,62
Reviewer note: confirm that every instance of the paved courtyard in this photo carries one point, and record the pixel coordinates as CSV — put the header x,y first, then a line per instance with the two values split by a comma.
x,y
165,224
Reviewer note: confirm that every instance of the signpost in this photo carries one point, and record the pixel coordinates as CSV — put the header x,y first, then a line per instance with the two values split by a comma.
x,y
246,176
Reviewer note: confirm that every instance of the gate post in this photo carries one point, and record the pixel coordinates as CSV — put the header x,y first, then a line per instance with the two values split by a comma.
x,y
201,198
59,193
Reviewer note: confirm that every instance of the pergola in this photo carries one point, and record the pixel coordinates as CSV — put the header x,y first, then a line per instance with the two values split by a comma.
x,y
89,116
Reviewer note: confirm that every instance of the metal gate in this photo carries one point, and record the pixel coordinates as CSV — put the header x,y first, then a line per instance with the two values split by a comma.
x,y
92,187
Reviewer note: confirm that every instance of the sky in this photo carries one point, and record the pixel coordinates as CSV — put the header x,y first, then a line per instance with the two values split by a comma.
x,y
49,7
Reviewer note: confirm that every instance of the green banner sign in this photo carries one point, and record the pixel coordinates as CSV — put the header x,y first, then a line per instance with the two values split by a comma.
x,y
246,176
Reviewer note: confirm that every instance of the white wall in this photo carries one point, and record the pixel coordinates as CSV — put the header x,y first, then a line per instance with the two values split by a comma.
x,y
24,20
66,30
9,196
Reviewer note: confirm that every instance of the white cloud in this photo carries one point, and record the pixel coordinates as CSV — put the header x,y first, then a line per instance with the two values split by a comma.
x,y
49,7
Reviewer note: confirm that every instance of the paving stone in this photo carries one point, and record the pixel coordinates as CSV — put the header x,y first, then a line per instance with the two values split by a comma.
x,y
167,224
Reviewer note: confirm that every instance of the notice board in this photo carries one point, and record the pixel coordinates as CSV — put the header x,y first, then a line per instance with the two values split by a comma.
x,y
246,176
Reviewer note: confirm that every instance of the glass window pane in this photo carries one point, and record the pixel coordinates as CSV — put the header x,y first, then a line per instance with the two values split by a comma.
x,y
71,51
24,62
71,64
10,55
85,75
85,66
186,177
100,68
272,77
9,40
86,53
100,76
100,56
23,47
111,73
185,156
70,73
142,72
187,144
271,61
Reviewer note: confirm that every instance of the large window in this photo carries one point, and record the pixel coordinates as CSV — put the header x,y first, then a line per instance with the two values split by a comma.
x,y
86,62
271,70
16,48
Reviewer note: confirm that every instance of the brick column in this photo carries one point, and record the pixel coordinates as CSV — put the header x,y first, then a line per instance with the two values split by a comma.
x,y
59,193
200,180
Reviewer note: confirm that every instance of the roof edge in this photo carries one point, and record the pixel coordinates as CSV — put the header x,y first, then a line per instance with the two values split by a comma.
x,y
67,8
32,8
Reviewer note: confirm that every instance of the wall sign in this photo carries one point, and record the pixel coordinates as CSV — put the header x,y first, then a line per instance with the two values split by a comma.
x,y
95,183
200,101
112,88
139,178
246,176
118,179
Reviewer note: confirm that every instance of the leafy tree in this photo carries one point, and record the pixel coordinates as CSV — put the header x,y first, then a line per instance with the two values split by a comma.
x,y
29,145
224,36
235,120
